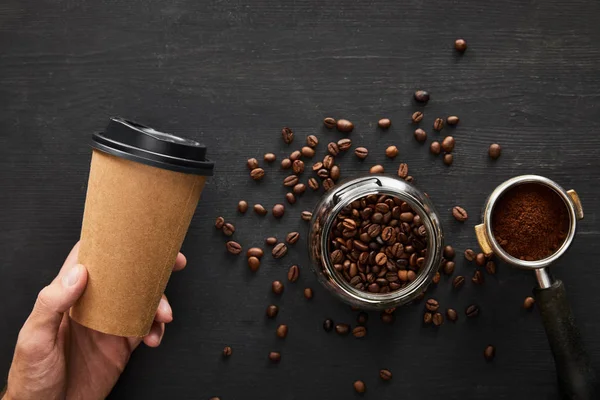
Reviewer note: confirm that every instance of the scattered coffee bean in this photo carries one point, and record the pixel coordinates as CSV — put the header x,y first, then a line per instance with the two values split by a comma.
x,y
219,222
317,166
298,167
323,173
362,318
255,252
384,123
282,331
472,311
279,250
420,135
228,229
449,268
328,325
227,351
290,181
328,184
342,329
278,210
360,387
269,157
451,314
286,163
489,353
432,305
490,267
436,278
335,172
458,282
470,255
312,141
329,122
290,198
343,125
494,151
448,159
292,237
295,155
306,215
313,184
277,287
344,144
528,303
333,149
233,247
257,174
359,332
260,210
409,178
480,259
438,124
387,318
438,319
452,120
308,293
376,169
422,96
448,144
391,151
435,148
287,134
417,117
252,163
477,278
328,162
361,152
449,252
272,311
427,318
459,214
274,356
242,206
385,374
299,188
308,152
271,241
460,45
253,263
403,170
293,273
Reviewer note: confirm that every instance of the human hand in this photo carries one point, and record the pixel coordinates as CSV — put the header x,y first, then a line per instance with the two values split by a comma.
x,y
56,358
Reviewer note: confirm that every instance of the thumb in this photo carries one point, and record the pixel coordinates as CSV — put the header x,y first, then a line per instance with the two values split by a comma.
x,y
56,299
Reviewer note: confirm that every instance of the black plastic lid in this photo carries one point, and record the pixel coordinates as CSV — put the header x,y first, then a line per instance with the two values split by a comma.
x,y
145,145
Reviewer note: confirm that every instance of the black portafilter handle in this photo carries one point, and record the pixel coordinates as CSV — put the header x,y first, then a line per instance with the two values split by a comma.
x,y
576,378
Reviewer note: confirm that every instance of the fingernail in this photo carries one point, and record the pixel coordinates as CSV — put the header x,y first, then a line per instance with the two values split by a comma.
x,y
165,307
72,276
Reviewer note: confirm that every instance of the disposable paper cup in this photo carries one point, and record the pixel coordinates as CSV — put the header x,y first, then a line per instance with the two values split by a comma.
x,y
143,188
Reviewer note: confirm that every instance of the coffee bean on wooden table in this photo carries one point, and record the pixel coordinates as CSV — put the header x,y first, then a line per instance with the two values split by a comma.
x,y
274,356
328,162
472,311
277,287
362,318
438,124
460,45
384,123
449,252
458,282
448,144
312,141
360,386
328,184
290,181
489,353
421,96
260,210
385,374
436,278
228,229
448,159
233,247
449,267
272,311
286,163
403,170
427,318
335,172
376,169
298,167
344,144
308,152
470,255
293,273
359,332
219,222
328,325
227,351
242,206
342,329
417,117
292,237
313,184
387,318
299,188
323,173
253,263
269,157
252,163
528,303
271,241
287,135
480,259
452,120
308,293
361,152
255,252
438,319
420,135
435,148
333,149
391,151
494,151
282,331
432,305
490,267
477,278
451,314
306,215
278,210
257,174
279,250
343,125
295,155
459,214
329,122
290,198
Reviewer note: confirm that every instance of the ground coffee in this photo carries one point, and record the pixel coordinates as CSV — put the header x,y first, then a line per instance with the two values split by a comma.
x,y
530,221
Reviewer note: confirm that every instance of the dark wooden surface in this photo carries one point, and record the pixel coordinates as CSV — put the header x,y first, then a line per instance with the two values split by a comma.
x,y
231,73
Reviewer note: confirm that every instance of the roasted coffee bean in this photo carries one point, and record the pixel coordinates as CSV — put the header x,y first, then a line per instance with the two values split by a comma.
x,y
427,318
384,123
227,351
233,247
361,152
260,210
277,287
470,255
286,163
290,198
409,178
257,174
528,303
490,267
422,96
252,163
449,252
228,229
253,263
290,181
385,374
323,173
448,144
328,184
312,141
480,259
458,282
459,214
403,170
391,151
255,252
299,188
472,311
308,152
329,122
435,148
274,357
308,293
313,184
417,117
420,135
269,157
287,134
489,353
333,149
295,155
451,314
460,45
452,120
281,331
271,241
360,387
328,162
344,144
335,172
242,206
342,329
343,125
449,267
438,319
359,332
306,215
387,318
317,166
362,318
292,237
432,305
494,151
328,325
279,250
438,124
376,169
293,273
278,210
219,222
298,167
477,278
448,159
272,311
436,278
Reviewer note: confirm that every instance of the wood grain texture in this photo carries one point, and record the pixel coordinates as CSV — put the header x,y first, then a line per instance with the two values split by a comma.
x,y
231,73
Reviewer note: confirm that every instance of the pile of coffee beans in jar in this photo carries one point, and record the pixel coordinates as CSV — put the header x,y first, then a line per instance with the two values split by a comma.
x,y
378,244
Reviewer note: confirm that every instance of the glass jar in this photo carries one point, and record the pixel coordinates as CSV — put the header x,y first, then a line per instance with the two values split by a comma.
x,y
324,216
